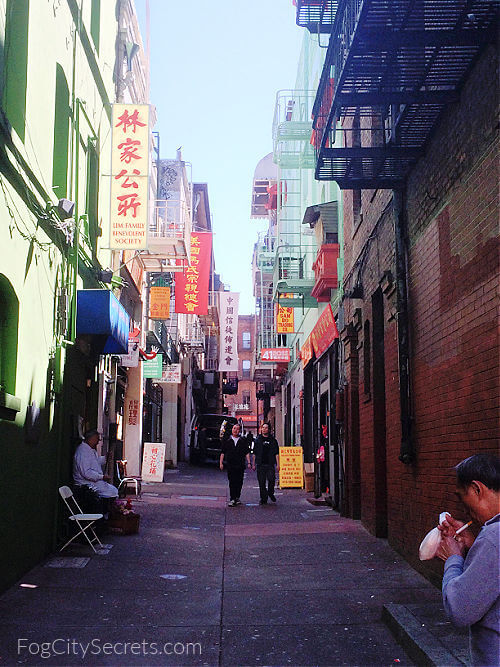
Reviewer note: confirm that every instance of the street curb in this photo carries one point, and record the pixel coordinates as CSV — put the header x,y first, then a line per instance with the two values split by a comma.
x,y
420,644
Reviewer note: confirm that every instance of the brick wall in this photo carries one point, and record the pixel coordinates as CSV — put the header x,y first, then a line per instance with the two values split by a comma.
x,y
452,207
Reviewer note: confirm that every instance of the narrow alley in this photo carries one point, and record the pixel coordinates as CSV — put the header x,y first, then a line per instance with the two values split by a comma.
x,y
207,584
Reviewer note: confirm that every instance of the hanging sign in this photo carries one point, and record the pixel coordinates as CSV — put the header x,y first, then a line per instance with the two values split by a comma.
x,y
324,332
172,374
284,320
228,317
153,368
153,462
191,286
306,352
129,176
159,303
291,467
130,360
275,354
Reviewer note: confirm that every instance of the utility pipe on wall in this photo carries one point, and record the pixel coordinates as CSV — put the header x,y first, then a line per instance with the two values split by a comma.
x,y
407,452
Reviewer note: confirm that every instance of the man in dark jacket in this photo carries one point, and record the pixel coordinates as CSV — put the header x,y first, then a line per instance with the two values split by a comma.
x,y
235,453
265,458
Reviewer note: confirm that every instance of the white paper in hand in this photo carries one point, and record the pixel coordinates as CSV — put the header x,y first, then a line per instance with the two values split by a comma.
x,y
430,544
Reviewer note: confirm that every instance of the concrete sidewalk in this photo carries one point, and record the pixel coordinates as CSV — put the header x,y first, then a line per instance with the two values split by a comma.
x,y
205,584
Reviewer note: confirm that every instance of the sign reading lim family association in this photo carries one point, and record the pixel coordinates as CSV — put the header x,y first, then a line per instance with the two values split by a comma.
x,y
129,176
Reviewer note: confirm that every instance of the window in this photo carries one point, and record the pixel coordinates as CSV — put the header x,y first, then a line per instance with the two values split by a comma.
x,y
245,398
95,22
61,135
16,63
9,324
245,366
246,340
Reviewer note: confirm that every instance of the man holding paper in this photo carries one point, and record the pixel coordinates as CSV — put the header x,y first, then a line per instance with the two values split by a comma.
x,y
471,581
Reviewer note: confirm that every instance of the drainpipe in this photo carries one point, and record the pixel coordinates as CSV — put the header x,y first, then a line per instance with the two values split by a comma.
x,y
407,453
76,235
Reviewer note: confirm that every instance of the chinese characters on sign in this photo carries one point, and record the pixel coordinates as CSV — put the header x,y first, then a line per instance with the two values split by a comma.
x,y
129,176
228,309
191,287
159,303
133,412
153,461
324,333
280,354
284,320
291,467
172,374
306,352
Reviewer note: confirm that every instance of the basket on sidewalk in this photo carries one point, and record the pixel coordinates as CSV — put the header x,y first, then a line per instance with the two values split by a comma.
x,y
126,524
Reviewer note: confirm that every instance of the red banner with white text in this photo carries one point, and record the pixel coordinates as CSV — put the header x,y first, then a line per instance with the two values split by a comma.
x,y
191,287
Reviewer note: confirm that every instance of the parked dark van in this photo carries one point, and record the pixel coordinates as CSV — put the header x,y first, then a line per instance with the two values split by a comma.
x,y
205,439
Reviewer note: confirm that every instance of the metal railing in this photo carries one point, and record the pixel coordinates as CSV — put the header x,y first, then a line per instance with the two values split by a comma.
x,y
170,227
194,337
292,127
293,262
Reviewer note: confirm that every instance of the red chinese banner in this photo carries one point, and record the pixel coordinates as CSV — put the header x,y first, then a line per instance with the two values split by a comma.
x,y
324,333
191,287
129,176
306,352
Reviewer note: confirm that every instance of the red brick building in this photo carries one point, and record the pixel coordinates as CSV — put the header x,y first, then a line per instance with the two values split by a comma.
x,y
244,403
418,166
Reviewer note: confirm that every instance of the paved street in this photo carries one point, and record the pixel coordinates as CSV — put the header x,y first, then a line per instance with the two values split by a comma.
x,y
285,584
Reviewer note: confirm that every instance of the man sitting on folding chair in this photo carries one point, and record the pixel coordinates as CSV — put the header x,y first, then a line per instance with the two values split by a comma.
x,y
87,467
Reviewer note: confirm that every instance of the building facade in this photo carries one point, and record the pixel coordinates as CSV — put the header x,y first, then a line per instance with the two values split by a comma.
x,y
243,404
417,162
53,231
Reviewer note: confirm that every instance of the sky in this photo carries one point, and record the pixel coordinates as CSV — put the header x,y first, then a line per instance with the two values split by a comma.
x,y
216,67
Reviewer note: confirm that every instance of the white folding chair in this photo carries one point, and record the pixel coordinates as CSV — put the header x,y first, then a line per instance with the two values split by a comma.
x,y
124,480
83,521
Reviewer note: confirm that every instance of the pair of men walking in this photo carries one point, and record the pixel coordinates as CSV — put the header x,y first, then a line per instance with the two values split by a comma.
x,y
264,458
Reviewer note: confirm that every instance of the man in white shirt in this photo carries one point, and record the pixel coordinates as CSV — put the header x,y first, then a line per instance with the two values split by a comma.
x,y
87,467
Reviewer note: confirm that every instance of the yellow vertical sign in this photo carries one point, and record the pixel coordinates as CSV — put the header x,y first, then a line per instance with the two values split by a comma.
x,y
284,320
159,303
291,467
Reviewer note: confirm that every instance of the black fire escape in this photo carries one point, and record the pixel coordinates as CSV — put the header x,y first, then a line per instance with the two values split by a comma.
x,y
390,69
316,15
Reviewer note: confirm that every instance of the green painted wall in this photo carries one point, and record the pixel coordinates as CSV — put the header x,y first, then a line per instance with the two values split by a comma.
x,y
38,159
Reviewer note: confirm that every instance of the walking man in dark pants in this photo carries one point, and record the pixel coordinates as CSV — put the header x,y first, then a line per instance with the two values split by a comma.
x,y
265,458
235,453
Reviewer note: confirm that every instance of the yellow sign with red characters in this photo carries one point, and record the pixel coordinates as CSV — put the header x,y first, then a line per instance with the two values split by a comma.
x,y
291,467
284,320
159,303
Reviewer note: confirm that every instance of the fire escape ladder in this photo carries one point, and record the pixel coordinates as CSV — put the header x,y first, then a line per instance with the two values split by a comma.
x,y
401,63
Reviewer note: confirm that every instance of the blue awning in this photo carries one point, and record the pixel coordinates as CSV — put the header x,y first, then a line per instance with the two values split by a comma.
x,y
100,314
